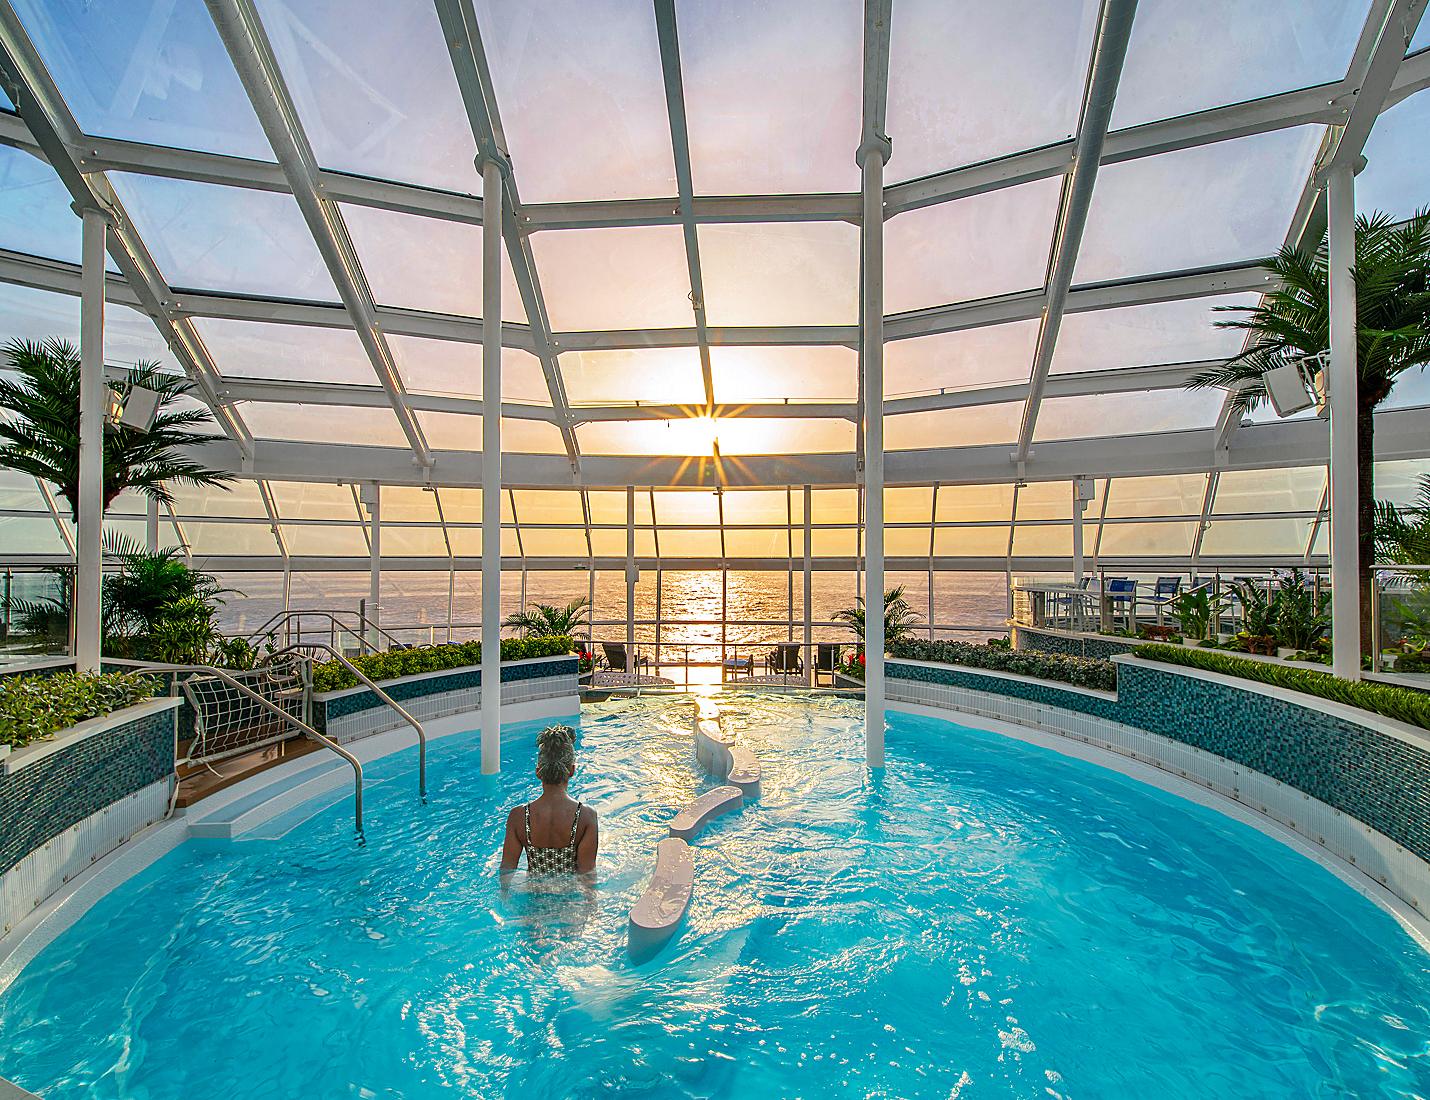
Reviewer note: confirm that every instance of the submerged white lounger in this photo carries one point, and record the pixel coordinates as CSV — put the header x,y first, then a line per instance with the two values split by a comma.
x,y
705,809
656,917
721,757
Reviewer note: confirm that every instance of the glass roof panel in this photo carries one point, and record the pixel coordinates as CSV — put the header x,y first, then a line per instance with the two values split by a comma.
x,y
773,374
744,543
130,337
35,214
375,427
696,436
581,96
1168,495
549,506
1422,36
969,82
256,349
1396,178
463,432
1399,481
769,436
451,367
1042,540
978,247
834,506
674,507
609,506
1411,388
1132,413
974,503
237,498
146,70
413,542
1148,335
205,236
1044,500
1257,537
772,107
426,264
785,273
646,375
313,500
631,277
966,359
376,93
1188,57
1213,204
1147,539
966,427
763,506
1292,490
408,504
331,542
908,504
20,492
29,314
970,542
223,539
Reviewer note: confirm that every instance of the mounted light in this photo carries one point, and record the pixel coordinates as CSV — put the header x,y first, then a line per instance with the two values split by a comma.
x,y
1299,385
134,408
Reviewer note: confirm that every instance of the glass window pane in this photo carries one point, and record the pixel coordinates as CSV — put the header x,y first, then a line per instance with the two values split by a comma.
x,y
452,367
676,543
1170,212
1396,178
774,374
1045,500
675,507
834,506
763,506
1188,57
970,542
742,543
1042,541
412,542
223,539
608,506
467,542
208,237
1137,413
978,247
465,506
318,541
312,500
650,376
1150,335
1147,539
374,426
1171,495
551,543
769,436
20,492
549,506
30,535
696,436
911,504
772,107
1412,388
146,70
1399,481
463,432
375,89
971,503
237,498
1292,490
633,277
961,360
969,82
254,349
582,98
967,427
1257,538
426,264
35,214
835,542
408,504
907,542
27,314
610,544
787,273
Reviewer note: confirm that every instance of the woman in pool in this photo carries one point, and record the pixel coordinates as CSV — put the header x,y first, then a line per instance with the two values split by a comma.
x,y
559,836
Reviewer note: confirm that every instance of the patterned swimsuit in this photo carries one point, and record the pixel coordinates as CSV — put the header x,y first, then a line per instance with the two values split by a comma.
x,y
551,861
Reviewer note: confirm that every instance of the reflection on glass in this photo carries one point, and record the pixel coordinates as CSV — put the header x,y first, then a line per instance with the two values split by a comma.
x,y
978,247
962,360
452,367
1148,335
146,70
633,277
790,273
375,89
969,82
255,349
35,213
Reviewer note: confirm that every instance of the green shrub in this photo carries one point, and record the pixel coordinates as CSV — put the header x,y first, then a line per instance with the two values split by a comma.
x,y
394,663
33,708
1402,704
1081,671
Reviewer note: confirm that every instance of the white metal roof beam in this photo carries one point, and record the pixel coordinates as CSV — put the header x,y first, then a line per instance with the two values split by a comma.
x,y
248,47
1113,33
55,133
469,63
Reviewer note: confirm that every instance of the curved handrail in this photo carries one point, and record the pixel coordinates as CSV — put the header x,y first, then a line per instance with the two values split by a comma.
x,y
270,627
401,711
309,731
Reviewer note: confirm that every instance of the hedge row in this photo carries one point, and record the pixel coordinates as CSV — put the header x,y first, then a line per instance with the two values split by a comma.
x,y
1080,671
393,663
1402,704
33,708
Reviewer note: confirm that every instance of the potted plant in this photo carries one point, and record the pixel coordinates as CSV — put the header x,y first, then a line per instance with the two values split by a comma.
x,y
1194,611
1299,615
1258,619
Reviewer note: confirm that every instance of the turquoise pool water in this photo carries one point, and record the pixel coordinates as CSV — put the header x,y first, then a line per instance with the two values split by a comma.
x,y
982,919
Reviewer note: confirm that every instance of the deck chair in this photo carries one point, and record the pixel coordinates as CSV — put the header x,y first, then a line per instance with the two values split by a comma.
x,y
826,660
784,660
1120,596
1167,588
617,659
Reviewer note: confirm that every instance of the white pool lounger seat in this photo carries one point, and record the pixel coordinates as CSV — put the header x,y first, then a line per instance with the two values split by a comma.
x,y
705,809
717,753
656,917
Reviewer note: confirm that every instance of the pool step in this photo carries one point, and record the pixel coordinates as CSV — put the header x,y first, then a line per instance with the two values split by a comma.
x,y
257,807
705,809
656,917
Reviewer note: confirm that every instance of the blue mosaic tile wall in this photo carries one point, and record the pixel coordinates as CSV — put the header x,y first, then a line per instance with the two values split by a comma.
x,y
1098,648
1379,780
45,798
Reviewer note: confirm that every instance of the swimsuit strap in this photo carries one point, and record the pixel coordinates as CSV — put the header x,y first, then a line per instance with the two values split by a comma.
x,y
575,822
527,811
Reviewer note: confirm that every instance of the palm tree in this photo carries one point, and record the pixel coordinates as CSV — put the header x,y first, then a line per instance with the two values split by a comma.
x,y
1392,281
1402,535
544,621
40,434
899,617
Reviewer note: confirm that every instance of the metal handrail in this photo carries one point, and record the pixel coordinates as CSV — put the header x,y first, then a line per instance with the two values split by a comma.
x,y
270,627
307,730
401,711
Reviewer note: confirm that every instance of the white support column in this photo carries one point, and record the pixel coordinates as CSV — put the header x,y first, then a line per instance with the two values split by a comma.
x,y
1345,548
92,400
372,497
872,155
1077,553
491,465
630,578
808,579
151,526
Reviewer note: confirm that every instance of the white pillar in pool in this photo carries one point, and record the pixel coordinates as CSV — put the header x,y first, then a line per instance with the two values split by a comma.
x,y
92,401
630,578
872,155
1345,548
808,582
372,497
1077,555
491,464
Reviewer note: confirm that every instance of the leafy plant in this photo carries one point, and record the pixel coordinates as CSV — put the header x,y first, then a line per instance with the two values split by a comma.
x,y
394,663
1300,617
899,617
1194,610
33,708
1292,322
1258,618
1402,535
1081,671
39,435
1402,704
157,608
545,621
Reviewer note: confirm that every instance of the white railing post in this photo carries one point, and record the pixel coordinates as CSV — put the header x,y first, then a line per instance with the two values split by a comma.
x,y
92,400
